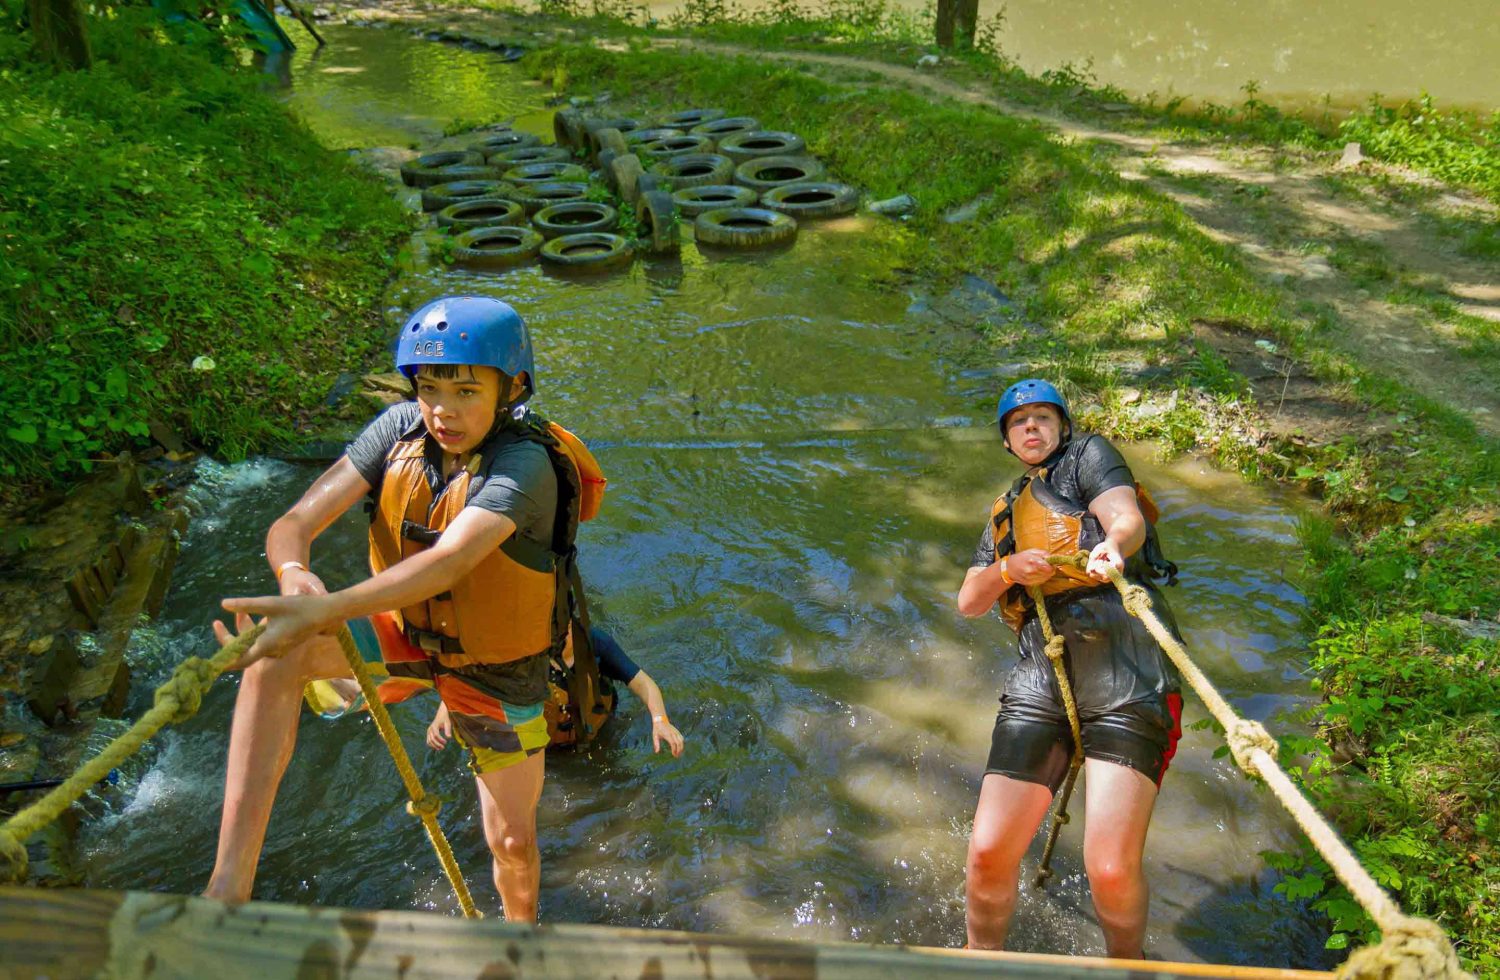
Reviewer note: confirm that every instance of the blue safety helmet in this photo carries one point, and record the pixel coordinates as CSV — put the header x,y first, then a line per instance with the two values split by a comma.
x,y
1033,391
467,330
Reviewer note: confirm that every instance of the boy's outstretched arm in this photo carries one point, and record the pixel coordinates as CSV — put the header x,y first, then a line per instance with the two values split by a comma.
x,y
643,687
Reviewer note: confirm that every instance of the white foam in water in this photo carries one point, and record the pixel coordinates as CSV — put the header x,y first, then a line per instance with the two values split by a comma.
x,y
216,485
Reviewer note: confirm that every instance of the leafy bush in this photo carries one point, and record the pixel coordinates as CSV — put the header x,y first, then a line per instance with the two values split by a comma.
x,y
159,209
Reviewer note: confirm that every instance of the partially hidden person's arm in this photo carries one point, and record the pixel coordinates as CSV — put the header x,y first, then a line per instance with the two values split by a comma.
x,y
474,534
1124,530
643,687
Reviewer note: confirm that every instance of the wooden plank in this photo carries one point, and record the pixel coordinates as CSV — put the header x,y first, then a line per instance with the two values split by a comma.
x,y
135,935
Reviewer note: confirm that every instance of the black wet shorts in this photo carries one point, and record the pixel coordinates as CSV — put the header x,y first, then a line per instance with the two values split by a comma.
x,y
1126,690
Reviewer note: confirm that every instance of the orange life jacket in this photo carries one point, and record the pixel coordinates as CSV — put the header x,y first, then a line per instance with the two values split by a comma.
x,y
1033,515
566,725
518,601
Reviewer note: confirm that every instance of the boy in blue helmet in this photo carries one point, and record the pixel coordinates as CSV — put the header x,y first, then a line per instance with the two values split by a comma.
x,y
463,594
1077,494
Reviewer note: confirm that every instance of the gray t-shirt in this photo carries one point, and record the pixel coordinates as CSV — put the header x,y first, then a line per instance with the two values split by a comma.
x,y
520,482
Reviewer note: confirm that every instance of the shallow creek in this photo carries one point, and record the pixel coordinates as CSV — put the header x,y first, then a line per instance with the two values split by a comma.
x,y
800,466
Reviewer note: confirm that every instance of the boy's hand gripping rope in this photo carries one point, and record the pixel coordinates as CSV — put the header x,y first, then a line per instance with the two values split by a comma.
x,y
1410,948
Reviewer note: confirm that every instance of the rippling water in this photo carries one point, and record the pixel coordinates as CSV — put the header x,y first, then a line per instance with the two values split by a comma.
x,y
800,464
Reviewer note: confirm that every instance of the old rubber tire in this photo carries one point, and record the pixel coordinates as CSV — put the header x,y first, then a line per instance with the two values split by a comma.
x,y
740,147
567,128
638,136
764,173
744,228
587,250
486,212
530,154
674,146
811,199
411,170
693,201
610,139
594,124
624,172
504,142
688,118
440,196
646,183
719,129
534,197
460,171
657,216
693,170
545,173
496,247
575,218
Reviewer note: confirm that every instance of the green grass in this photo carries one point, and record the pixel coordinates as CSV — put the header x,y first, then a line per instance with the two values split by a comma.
x,y
1116,276
156,209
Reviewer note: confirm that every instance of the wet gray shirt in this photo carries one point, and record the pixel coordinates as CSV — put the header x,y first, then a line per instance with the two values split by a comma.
x,y
520,482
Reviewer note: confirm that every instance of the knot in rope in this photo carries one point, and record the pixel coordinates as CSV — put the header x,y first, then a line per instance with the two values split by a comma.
x,y
1409,949
1244,737
1055,649
12,858
182,694
1137,600
427,806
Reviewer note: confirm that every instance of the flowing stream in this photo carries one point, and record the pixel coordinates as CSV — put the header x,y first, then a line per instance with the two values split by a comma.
x,y
800,465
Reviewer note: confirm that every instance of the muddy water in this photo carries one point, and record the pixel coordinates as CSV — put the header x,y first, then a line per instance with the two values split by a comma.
x,y
800,466
1297,52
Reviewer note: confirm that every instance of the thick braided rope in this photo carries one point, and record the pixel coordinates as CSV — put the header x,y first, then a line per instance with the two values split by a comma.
x,y
1055,650
422,806
176,700
1410,947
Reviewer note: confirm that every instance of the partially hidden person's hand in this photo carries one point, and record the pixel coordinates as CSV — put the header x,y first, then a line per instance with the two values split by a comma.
x,y
440,730
299,581
289,620
1029,567
1106,555
664,730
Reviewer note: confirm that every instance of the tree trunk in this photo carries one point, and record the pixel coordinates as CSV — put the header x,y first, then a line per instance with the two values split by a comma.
x,y
945,13
967,22
59,31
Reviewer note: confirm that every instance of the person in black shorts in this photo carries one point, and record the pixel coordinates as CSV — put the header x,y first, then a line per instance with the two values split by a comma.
x,y
1077,494
614,665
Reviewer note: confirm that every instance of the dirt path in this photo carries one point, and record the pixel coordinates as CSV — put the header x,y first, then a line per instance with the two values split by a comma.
x,y
1377,250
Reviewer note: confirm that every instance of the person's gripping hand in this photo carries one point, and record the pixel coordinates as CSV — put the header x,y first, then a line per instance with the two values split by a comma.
x,y
1106,555
1029,567
440,730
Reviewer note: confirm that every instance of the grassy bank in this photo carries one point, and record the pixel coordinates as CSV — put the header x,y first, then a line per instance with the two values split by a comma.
x,y
158,210
1123,298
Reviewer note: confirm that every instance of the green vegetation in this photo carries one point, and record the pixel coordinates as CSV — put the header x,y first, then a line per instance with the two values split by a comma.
x,y
159,209
1129,294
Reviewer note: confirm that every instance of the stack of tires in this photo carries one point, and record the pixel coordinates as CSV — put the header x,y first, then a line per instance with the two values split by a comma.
x,y
509,199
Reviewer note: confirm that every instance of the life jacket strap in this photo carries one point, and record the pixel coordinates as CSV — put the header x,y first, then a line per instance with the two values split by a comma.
x,y
420,533
432,642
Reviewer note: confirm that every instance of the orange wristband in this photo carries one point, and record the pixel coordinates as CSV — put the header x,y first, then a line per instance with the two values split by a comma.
x,y
1005,574
281,569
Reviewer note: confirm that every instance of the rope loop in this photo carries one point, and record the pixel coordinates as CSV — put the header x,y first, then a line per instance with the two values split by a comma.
x,y
1056,649
1409,949
1244,737
1137,600
427,806
13,859
182,694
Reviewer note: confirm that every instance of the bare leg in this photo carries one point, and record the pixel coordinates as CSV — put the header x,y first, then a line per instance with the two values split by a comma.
x,y
1114,841
507,800
1009,812
261,738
